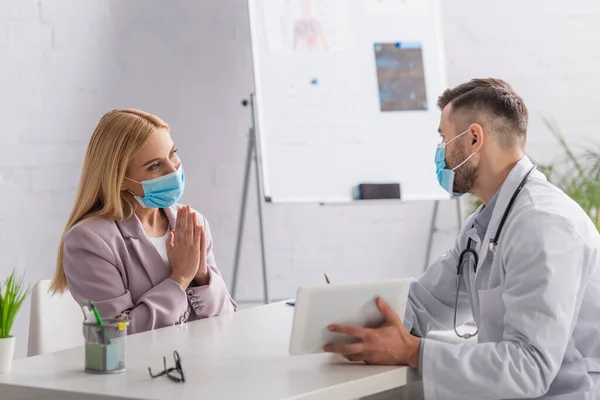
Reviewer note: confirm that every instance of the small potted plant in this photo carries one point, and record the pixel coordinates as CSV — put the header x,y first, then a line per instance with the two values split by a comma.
x,y
12,296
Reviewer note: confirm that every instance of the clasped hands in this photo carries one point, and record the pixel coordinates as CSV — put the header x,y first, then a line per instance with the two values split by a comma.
x,y
186,250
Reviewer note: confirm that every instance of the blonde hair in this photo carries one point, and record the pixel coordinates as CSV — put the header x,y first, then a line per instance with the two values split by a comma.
x,y
119,136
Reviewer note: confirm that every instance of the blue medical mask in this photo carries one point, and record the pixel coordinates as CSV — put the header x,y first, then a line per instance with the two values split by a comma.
x,y
446,176
162,192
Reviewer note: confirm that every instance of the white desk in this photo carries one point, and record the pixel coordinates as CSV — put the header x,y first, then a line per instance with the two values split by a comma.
x,y
238,356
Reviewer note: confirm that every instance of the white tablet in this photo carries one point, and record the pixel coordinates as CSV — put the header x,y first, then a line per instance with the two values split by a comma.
x,y
317,307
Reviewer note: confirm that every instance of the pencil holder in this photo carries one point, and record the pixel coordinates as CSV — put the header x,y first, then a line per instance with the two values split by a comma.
x,y
105,346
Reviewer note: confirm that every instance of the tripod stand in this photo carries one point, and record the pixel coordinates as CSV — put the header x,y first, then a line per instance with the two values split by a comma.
x,y
251,157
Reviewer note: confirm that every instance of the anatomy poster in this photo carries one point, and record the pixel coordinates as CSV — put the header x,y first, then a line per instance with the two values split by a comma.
x,y
396,7
307,25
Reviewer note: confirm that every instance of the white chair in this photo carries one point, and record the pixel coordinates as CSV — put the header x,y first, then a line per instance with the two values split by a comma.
x,y
55,321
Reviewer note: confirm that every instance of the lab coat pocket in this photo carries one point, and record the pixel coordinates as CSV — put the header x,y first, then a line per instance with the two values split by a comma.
x,y
491,315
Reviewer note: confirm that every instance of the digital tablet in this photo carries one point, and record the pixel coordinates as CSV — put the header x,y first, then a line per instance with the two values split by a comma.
x,y
317,307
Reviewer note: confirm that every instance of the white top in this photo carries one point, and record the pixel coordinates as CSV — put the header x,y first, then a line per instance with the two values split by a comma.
x,y
243,355
161,245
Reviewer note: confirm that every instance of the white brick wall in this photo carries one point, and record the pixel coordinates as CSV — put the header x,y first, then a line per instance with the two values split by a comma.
x,y
64,63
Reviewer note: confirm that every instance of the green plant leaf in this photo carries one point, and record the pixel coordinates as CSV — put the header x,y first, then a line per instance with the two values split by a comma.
x,y
552,126
12,296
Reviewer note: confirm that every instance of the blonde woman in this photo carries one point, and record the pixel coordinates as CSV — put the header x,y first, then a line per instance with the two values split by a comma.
x,y
128,245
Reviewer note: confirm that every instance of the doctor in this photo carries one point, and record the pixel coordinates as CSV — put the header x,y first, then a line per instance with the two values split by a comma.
x,y
525,268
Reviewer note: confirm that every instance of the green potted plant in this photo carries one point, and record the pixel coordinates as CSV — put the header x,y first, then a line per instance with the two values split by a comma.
x,y
12,296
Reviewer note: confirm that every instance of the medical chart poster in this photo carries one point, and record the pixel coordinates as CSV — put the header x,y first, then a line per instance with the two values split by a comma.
x,y
301,26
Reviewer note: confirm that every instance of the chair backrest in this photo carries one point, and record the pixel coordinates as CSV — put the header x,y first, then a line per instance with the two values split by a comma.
x,y
55,321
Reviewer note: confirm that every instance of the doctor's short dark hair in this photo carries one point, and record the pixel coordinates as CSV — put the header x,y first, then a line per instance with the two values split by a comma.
x,y
490,102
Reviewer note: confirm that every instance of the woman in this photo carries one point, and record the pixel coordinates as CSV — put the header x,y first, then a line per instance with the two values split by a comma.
x,y
128,245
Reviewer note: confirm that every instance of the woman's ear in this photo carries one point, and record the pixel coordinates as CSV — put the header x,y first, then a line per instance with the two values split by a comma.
x,y
133,187
124,185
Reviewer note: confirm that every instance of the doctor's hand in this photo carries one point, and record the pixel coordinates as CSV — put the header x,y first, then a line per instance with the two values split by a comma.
x,y
183,247
389,344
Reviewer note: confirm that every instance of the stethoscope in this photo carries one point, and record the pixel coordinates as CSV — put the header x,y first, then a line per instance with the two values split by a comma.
x,y
474,259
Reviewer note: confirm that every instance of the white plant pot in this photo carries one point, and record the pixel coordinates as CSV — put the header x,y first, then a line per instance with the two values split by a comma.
x,y
7,352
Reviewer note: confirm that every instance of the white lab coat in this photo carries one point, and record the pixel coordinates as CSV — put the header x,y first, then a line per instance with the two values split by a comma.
x,y
536,301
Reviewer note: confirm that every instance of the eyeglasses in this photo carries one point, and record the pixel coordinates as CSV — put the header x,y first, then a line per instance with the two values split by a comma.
x,y
175,373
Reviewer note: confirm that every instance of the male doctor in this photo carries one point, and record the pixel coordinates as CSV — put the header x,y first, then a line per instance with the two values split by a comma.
x,y
531,284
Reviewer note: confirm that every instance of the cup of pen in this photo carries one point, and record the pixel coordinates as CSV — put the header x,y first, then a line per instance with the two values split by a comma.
x,y
105,345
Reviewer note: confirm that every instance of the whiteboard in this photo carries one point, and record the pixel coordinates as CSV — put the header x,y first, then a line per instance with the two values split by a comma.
x,y
345,93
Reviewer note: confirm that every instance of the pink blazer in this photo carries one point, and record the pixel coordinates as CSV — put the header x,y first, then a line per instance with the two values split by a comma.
x,y
115,265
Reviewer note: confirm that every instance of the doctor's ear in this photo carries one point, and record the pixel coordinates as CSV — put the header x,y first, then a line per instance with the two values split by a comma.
x,y
476,133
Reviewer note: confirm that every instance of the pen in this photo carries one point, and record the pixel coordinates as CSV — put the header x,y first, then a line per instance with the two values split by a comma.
x,y
89,319
99,320
292,303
